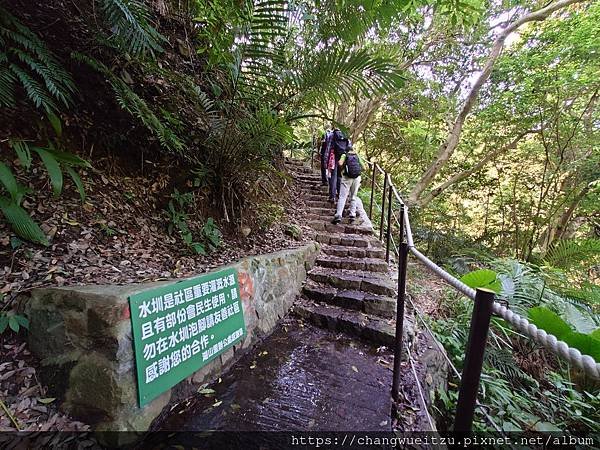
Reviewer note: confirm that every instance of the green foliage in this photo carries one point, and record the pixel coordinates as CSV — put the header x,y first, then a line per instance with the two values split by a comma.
x,y
268,214
54,160
26,63
107,230
21,222
210,235
570,253
549,321
12,321
129,101
129,22
483,278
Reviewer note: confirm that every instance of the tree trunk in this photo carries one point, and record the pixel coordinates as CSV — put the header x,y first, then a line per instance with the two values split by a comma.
x,y
449,146
465,173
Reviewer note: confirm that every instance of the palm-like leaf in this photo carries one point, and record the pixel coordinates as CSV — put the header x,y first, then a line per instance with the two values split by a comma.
x,y
53,168
129,101
21,222
341,73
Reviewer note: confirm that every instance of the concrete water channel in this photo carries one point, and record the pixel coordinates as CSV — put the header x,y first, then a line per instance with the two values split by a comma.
x,y
300,378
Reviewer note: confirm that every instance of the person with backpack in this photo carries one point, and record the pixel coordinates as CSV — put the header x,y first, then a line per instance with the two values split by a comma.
x,y
339,146
350,167
324,151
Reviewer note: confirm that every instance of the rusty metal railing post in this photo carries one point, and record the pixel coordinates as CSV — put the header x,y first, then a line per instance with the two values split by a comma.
x,y
372,190
385,183
402,263
389,224
469,385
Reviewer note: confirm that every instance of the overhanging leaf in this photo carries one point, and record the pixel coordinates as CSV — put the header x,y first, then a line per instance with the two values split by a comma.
x,y
78,183
9,181
3,323
13,324
22,321
21,222
22,150
585,343
53,168
483,278
549,321
55,122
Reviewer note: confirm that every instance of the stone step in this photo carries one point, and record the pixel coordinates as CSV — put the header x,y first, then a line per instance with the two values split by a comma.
x,y
311,197
311,177
373,329
351,299
353,252
319,204
326,225
371,282
314,189
323,211
350,263
348,240
294,163
327,218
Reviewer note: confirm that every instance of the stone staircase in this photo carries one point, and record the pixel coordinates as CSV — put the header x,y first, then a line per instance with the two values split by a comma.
x,y
350,289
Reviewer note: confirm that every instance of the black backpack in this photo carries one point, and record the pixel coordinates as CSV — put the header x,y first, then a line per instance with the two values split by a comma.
x,y
340,143
352,165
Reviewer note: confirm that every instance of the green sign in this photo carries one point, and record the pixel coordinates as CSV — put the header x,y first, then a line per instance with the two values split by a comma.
x,y
179,328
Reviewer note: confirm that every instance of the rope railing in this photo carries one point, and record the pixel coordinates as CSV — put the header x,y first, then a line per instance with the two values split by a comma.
x,y
584,362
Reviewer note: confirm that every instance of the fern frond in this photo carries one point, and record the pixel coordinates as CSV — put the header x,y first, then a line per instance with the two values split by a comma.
x,y
129,21
36,93
129,101
7,87
25,60
572,252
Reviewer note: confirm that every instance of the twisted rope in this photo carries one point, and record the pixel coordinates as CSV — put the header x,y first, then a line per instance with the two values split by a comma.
x,y
549,341
584,362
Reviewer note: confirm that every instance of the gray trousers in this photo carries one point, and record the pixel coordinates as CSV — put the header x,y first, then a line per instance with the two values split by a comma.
x,y
349,188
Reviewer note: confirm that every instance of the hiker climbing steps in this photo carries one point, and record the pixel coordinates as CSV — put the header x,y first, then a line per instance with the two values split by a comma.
x,y
350,289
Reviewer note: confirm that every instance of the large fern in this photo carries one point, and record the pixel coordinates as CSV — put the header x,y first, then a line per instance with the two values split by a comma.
x,y
27,64
129,101
129,21
572,252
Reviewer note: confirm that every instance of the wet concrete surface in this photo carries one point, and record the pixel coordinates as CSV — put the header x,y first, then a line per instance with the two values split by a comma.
x,y
300,378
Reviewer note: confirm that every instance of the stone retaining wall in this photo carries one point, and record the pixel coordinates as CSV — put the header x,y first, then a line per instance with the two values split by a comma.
x,y
82,335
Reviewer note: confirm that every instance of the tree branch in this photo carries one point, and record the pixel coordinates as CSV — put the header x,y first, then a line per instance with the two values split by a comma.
x,y
449,146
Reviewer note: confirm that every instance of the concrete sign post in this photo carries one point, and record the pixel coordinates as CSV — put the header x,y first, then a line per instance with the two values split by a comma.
x,y
179,328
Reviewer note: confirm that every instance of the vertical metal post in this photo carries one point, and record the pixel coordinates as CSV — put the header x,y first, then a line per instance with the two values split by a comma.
x,y
385,183
469,385
372,191
402,261
389,225
312,152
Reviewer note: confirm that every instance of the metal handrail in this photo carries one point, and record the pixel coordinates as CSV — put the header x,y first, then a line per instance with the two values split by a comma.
x,y
485,305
